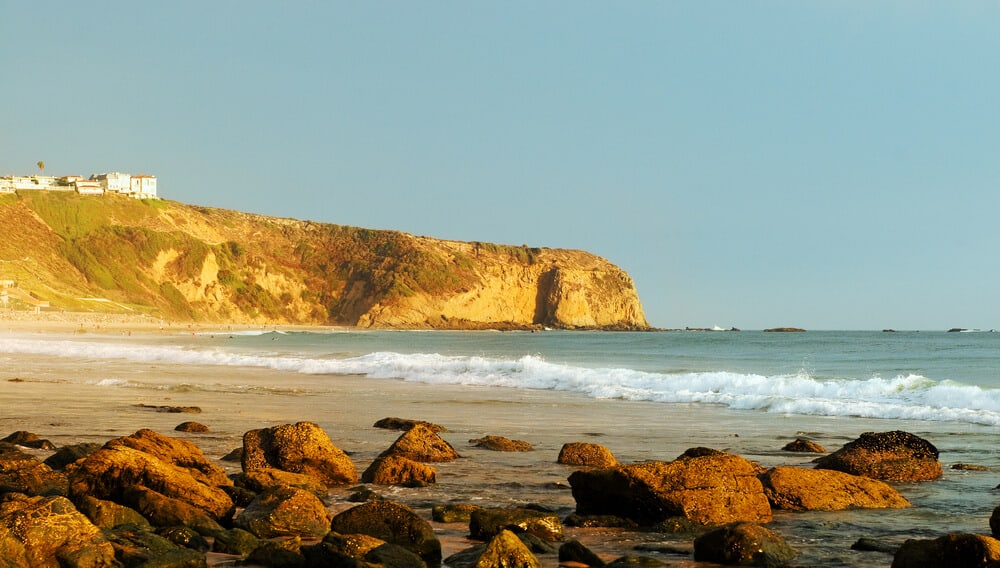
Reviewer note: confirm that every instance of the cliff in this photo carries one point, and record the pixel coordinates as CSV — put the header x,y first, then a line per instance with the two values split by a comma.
x,y
187,263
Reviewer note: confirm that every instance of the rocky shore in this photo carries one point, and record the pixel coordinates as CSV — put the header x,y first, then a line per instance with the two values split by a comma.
x,y
155,499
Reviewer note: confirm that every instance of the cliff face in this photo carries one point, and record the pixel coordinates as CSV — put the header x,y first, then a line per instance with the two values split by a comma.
x,y
182,262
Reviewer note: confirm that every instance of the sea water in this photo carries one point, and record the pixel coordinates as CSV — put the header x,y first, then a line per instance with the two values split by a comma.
x,y
644,395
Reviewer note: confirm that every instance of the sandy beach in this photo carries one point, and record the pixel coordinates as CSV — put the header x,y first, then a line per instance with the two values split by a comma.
x,y
93,399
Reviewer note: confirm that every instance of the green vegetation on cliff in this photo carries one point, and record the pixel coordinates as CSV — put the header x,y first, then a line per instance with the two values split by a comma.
x,y
184,262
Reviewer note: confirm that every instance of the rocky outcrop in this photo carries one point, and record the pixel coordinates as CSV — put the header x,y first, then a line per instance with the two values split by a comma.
x,y
743,544
586,454
958,550
398,470
504,549
285,511
800,489
804,446
889,456
704,487
421,443
394,523
201,264
49,532
501,444
484,524
299,448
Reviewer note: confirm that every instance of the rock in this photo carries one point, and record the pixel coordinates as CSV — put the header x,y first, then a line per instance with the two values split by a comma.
x,y
234,541
281,553
299,448
573,551
164,511
69,454
594,521
235,455
28,440
422,444
457,513
23,473
191,427
486,523
108,514
394,523
995,522
259,480
969,467
363,494
135,546
398,470
785,329
50,532
171,480
743,544
873,545
706,489
636,562
587,455
800,489
406,424
172,409
186,537
505,549
285,511
955,550
360,550
501,444
803,445
889,456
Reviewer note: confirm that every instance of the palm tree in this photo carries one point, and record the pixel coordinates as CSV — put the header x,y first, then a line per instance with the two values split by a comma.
x,y
41,166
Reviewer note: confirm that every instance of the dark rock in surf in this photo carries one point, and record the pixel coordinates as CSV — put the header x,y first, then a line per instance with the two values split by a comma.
x,y
504,549
398,470
171,409
140,546
956,550
889,456
422,444
406,424
805,446
784,330
574,551
394,523
359,550
194,427
743,544
486,523
28,440
867,544
453,513
707,490
299,448
587,455
501,444
69,454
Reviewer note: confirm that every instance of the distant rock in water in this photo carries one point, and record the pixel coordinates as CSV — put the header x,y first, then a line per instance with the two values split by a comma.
x,y
784,329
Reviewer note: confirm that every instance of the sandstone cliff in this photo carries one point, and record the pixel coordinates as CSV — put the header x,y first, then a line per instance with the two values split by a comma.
x,y
183,262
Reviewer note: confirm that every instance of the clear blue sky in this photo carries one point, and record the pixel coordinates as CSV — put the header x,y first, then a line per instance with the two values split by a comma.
x,y
753,164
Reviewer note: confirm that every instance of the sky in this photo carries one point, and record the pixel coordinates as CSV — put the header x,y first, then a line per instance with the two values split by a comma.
x,y
825,165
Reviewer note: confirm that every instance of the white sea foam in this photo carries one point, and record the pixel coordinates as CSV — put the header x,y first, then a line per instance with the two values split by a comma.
x,y
909,396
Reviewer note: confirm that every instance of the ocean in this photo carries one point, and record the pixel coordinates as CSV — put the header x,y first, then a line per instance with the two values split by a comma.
x,y
643,395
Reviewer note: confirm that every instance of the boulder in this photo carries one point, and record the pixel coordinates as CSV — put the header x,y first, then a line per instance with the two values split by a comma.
x,y
259,480
128,476
186,537
501,444
889,456
108,514
405,424
69,454
995,522
299,448
586,455
805,446
234,541
743,544
164,511
422,444
800,489
278,553
574,551
23,473
398,470
28,440
359,550
454,513
49,532
394,523
712,488
504,549
285,511
955,550
486,523
190,426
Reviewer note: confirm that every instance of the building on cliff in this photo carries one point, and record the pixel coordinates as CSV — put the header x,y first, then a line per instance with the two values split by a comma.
x,y
140,186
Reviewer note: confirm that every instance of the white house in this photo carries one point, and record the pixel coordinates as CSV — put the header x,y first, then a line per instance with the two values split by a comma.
x,y
88,187
114,181
143,186
6,185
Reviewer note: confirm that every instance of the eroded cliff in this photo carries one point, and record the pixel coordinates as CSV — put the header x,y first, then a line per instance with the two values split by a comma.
x,y
184,262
